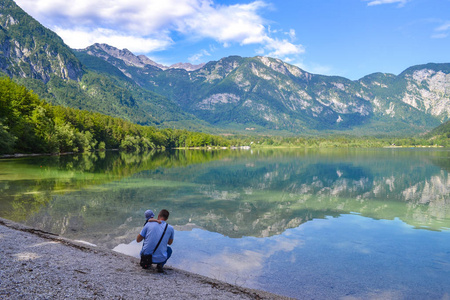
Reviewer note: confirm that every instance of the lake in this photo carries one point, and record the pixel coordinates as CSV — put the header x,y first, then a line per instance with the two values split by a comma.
x,y
324,224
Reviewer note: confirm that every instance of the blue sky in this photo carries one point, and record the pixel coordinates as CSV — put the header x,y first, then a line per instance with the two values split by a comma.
x,y
350,38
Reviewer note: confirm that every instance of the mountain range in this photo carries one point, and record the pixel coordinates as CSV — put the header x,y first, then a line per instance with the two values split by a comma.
x,y
233,95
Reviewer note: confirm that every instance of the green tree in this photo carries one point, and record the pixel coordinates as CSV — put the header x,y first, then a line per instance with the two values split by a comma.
x,y
7,140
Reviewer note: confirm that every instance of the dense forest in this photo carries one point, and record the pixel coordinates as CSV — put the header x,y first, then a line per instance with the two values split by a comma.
x,y
441,140
31,125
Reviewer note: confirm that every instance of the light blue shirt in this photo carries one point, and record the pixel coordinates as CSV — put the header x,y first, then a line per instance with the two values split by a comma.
x,y
152,232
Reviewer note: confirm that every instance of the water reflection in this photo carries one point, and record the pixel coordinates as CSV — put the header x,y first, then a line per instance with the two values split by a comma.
x,y
332,258
27,185
232,193
262,219
239,261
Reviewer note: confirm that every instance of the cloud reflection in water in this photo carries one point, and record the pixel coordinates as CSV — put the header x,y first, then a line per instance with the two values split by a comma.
x,y
238,261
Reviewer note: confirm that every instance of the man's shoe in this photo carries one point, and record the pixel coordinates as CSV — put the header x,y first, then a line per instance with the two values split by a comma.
x,y
159,268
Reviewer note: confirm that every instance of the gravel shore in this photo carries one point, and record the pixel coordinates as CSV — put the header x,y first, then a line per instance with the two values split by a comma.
x,y
40,265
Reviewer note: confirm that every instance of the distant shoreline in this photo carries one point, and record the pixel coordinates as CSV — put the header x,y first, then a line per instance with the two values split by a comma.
x,y
19,155
417,146
257,147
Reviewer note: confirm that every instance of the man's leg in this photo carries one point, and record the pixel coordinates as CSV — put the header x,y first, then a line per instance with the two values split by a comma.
x,y
160,266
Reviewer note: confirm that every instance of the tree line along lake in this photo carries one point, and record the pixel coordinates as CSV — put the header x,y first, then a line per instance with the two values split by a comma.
x,y
300,222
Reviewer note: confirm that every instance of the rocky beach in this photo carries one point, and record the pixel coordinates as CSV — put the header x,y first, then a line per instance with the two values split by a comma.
x,y
40,265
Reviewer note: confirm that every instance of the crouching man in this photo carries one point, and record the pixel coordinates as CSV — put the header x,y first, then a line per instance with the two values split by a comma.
x,y
156,238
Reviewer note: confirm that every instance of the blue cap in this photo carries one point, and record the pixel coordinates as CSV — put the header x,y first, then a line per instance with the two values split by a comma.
x,y
149,214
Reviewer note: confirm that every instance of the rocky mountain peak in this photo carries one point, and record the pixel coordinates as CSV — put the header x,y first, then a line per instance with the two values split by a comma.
x,y
428,90
125,55
31,50
145,60
139,61
280,66
186,66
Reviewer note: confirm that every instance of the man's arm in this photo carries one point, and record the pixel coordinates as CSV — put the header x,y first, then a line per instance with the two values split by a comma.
x,y
154,220
140,238
171,236
142,234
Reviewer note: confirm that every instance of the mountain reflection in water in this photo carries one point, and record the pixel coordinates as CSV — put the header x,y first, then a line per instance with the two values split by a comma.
x,y
258,193
244,201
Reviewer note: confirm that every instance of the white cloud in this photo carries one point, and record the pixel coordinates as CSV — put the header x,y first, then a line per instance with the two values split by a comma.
x,y
80,38
199,56
143,16
315,68
282,48
378,2
291,34
444,27
260,51
439,35
442,31
235,23
151,25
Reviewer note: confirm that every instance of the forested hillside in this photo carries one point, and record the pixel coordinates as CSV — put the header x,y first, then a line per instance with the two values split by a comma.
x,y
442,131
31,125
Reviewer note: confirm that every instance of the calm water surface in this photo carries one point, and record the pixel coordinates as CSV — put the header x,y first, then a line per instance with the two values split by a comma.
x,y
306,224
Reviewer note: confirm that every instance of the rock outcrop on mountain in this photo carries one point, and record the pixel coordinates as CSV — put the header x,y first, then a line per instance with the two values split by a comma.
x,y
107,52
186,66
428,89
425,88
27,49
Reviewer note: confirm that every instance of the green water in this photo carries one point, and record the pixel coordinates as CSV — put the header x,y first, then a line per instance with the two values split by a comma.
x,y
259,218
